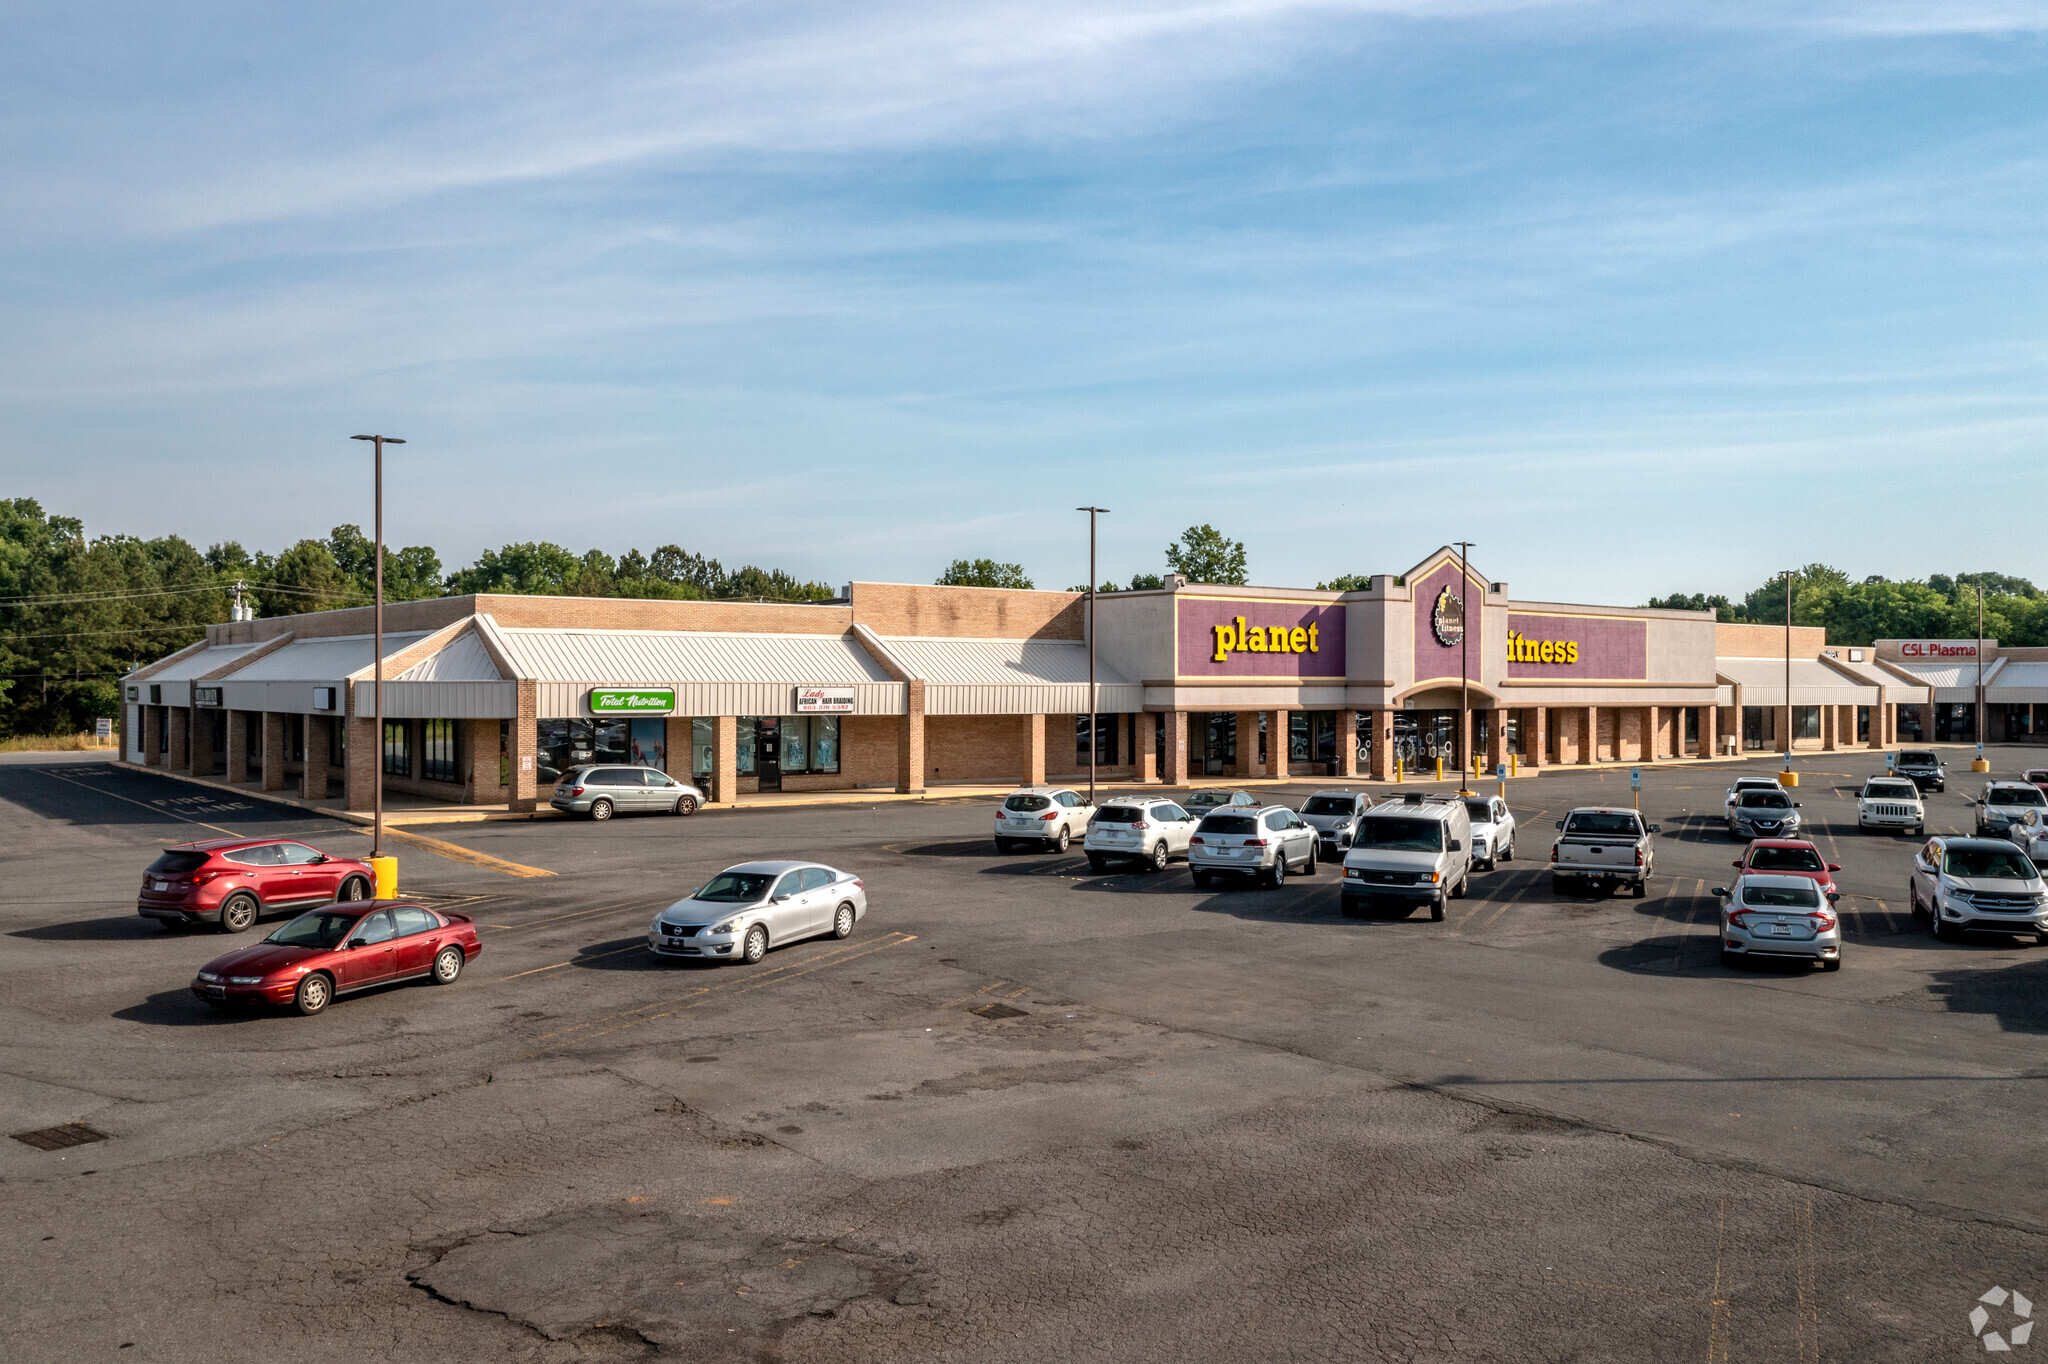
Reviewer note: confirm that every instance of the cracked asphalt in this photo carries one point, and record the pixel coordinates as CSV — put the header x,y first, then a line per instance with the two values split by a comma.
x,y
1215,1125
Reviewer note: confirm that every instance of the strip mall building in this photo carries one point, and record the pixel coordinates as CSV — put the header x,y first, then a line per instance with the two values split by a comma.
x,y
487,698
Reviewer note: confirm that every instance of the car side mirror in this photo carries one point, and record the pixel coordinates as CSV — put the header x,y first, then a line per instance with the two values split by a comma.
x,y
1720,890
1736,863
1560,824
354,943
1833,896
321,857
1834,866
1795,805
780,898
1457,846
1656,828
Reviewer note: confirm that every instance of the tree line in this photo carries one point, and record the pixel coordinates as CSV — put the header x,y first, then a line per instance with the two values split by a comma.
x,y
76,613
1940,606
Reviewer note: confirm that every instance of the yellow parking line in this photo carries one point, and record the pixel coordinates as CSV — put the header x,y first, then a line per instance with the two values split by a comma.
x,y
574,914
455,852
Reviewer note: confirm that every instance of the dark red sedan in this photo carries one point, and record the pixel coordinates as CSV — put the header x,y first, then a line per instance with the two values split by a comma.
x,y
233,882
340,948
1790,857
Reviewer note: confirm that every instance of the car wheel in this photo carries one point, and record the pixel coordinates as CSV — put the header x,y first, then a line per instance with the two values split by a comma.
x,y
1507,854
1277,877
1160,857
600,810
238,913
1731,960
447,965
686,805
1557,885
1436,910
756,945
1639,889
1310,869
842,922
1003,845
1458,891
1097,863
1201,879
1833,963
315,993
1942,931
1065,840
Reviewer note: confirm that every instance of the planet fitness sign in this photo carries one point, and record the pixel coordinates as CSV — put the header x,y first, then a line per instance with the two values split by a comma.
x,y
1609,648
1241,637
632,700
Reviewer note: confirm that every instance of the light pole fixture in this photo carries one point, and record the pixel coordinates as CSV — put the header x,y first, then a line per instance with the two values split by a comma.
x,y
1977,721
1094,701
377,646
1789,575
1464,667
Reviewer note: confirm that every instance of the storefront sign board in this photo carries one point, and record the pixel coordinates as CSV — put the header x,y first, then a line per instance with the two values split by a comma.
x,y
1939,648
206,696
1259,639
1564,648
632,700
824,701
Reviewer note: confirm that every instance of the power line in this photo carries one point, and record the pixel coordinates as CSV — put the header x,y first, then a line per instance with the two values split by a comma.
x,y
55,599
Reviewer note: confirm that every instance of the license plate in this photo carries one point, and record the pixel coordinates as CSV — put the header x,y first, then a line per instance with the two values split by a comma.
x,y
216,992
1782,930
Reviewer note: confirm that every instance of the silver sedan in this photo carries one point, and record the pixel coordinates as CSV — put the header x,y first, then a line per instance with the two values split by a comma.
x,y
1779,916
740,913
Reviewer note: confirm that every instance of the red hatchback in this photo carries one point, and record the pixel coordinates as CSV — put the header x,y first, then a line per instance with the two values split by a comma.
x,y
1790,857
234,881
340,948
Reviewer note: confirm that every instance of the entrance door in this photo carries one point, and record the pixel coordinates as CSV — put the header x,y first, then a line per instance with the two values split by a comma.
x,y
768,752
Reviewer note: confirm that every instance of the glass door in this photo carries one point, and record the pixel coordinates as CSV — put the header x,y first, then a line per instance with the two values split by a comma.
x,y
768,752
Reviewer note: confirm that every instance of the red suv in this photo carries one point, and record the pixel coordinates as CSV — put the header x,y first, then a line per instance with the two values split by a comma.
x,y
234,881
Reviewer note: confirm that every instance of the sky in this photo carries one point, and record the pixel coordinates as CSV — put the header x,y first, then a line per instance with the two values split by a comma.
x,y
1639,297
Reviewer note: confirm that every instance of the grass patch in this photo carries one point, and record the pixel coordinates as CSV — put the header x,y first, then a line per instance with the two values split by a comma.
x,y
55,743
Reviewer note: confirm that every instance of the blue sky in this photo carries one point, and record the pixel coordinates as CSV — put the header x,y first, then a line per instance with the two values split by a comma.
x,y
1639,297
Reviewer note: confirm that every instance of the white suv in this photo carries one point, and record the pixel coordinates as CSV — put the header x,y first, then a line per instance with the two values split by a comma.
x,y
1981,884
2004,804
1149,829
1890,804
1265,843
1050,816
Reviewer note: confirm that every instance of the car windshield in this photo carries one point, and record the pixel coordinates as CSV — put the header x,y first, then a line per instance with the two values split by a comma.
x,y
178,863
1327,805
2038,774
2018,795
1119,814
1989,864
321,928
1480,810
1230,824
1785,859
1400,833
1755,784
1918,759
740,887
1595,822
1766,800
1782,897
1022,803
1891,790
1209,798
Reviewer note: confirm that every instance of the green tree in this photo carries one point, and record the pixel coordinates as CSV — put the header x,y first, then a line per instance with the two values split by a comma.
x,y
305,578
1723,609
1204,555
1346,582
532,568
750,583
1766,603
983,573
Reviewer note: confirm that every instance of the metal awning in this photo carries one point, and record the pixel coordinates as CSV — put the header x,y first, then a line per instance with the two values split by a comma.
x,y
711,673
1813,683
1011,677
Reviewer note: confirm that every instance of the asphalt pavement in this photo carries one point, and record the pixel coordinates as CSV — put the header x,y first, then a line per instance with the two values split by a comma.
x,y
1026,1112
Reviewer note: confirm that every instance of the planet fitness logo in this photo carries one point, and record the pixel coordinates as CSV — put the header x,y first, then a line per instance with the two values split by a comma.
x,y
2015,1332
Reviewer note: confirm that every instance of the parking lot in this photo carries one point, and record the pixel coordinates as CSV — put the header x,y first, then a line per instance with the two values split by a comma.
x,y
1025,1112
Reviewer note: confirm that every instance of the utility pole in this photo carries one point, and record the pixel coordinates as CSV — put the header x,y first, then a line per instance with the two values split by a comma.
x,y
1789,573
1094,701
377,755
1979,719
1465,623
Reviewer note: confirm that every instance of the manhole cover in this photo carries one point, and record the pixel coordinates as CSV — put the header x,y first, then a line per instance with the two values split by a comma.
x,y
998,1010
57,1138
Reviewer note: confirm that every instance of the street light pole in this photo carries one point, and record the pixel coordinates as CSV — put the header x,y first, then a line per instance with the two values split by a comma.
x,y
1464,666
1789,573
377,710
1094,701
1977,721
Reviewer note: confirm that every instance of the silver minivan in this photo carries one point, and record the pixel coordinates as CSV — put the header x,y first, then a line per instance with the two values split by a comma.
x,y
1409,852
601,792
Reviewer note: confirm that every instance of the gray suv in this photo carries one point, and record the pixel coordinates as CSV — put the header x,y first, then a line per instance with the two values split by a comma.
x,y
601,792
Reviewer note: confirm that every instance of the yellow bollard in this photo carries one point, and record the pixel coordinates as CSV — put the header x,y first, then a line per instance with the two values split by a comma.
x,y
1439,768
385,869
1788,778
1514,764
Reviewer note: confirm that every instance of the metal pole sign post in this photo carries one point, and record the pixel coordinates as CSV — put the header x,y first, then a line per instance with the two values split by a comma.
x,y
1094,699
377,645
1464,667
1500,777
1635,787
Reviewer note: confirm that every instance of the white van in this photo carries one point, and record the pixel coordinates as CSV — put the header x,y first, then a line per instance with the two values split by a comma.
x,y
1413,851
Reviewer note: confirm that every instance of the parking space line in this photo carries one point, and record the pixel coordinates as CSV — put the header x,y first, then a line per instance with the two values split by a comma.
x,y
1806,1274
595,956
1717,1324
574,914
153,809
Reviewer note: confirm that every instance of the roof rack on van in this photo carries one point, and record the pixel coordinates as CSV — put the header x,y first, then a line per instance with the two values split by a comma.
x,y
1419,797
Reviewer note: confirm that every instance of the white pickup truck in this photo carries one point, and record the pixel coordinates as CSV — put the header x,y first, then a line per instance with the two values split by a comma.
x,y
1600,848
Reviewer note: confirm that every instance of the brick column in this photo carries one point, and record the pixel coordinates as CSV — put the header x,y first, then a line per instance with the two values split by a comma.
x,y
1589,734
273,750
1248,764
524,792
180,756
480,762
1710,730
1535,736
1146,753
1347,744
1173,763
238,745
910,740
1497,741
199,740
313,778
152,736
1382,761
1880,724
1276,742
1031,745
725,759
676,742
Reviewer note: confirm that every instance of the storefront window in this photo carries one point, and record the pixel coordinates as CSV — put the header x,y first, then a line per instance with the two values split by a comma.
x,y
647,742
1297,737
745,748
437,750
824,743
796,742
703,743
1104,730
397,748
564,744
1806,722
810,743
